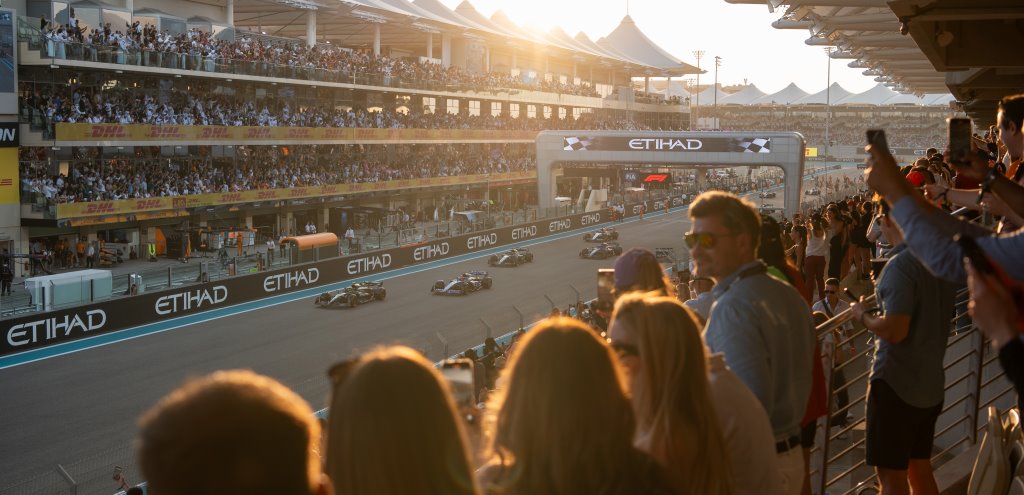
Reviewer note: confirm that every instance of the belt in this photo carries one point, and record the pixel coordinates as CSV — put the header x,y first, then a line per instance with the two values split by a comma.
x,y
787,444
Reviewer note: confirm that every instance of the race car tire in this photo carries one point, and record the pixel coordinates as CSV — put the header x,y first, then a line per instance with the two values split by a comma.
x,y
515,261
529,258
463,291
583,254
351,300
380,295
438,285
615,236
487,283
492,260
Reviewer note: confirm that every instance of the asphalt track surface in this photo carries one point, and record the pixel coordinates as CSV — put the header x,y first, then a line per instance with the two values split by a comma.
x,y
85,404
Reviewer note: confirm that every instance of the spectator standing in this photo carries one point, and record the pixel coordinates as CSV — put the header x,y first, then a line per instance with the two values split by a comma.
x,y
701,297
564,423
231,433
995,311
838,241
831,305
350,237
761,325
6,275
814,261
907,377
715,436
90,255
393,428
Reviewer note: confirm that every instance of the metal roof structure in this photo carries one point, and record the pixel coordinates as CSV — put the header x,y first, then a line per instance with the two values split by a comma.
x,y
744,96
970,48
630,41
832,94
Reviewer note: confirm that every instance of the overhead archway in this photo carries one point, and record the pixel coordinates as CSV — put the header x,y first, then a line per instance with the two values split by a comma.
x,y
666,149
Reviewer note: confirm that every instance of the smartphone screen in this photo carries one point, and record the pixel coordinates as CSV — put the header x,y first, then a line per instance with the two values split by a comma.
x,y
876,138
959,139
459,374
605,284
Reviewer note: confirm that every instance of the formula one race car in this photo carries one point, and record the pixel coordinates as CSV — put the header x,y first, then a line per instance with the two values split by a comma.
x,y
766,194
601,251
512,257
604,234
813,192
463,284
358,293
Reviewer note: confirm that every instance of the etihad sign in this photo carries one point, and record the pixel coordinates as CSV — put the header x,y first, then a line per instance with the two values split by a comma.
x,y
665,144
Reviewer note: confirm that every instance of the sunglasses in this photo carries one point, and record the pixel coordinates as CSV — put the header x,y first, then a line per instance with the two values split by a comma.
x,y
705,240
623,349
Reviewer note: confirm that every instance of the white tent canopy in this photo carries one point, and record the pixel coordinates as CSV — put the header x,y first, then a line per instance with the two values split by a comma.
x,y
707,97
743,96
785,96
874,96
630,41
831,94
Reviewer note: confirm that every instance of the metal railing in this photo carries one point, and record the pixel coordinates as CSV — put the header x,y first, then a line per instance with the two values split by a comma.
x,y
974,381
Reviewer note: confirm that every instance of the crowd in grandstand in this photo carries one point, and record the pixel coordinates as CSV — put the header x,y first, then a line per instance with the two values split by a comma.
x,y
147,174
124,106
196,49
905,132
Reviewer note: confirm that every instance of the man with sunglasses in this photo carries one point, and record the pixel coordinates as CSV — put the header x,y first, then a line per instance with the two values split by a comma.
x,y
761,325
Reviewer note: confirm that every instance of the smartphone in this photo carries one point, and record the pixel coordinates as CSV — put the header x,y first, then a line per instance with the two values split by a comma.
x,y
959,139
605,285
459,374
876,138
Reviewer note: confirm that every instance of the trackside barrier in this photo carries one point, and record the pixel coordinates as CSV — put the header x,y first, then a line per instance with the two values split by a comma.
x,y
41,330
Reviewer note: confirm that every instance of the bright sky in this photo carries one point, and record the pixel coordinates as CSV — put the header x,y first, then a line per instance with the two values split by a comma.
x,y
742,35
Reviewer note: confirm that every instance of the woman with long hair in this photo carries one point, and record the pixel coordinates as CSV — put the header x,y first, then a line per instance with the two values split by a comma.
x,y
713,437
798,251
838,242
814,261
773,253
564,423
393,429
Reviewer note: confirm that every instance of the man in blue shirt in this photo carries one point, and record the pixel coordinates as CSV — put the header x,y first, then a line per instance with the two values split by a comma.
x,y
907,377
762,325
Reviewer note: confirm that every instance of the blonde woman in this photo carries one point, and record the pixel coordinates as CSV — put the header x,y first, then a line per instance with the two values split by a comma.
x,y
564,424
393,429
713,437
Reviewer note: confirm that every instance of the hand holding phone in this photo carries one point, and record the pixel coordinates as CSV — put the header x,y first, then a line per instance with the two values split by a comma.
x,y
459,374
959,131
605,289
983,265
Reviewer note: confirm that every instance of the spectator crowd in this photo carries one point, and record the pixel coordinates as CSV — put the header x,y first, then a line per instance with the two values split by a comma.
x,y
196,49
147,174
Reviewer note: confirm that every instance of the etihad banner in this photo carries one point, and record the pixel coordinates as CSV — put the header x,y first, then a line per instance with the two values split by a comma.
x,y
131,206
705,144
203,134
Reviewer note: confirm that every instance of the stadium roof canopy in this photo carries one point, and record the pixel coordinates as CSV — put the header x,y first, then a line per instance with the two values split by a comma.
x,y
406,25
630,41
784,96
971,48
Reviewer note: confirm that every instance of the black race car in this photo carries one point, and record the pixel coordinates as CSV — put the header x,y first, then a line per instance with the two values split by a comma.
x,y
601,251
601,235
463,284
766,194
512,257
813,192
358,293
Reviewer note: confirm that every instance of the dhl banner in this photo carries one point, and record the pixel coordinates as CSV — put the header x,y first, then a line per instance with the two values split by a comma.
x,y
130,206
206,134
810,152
9,187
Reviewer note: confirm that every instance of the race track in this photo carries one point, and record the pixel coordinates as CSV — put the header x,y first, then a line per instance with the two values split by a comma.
x,y
84,405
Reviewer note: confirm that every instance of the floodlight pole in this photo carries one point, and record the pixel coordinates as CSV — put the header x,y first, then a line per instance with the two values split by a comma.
x,y
699,54
828,100
718,63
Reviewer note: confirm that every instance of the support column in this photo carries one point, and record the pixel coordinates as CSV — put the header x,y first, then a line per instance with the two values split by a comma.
x,y
446,50
574,76
647,84
487,59
311,28
248,220
376,39
230,13
430,45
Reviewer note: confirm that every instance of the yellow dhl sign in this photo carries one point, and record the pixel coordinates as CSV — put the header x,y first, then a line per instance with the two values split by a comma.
x,y
810,152
205,134
129,206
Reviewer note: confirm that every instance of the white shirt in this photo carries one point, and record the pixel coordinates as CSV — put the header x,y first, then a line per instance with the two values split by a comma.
x,y
747,433
817,246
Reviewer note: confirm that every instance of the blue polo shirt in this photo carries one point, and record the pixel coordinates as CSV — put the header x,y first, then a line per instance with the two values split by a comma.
x,y
913,367
764,329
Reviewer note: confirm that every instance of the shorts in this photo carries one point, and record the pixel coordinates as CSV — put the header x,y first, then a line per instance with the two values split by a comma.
x,y
896,431
807,434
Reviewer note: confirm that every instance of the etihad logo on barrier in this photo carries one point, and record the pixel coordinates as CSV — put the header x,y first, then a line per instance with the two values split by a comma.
x,y
55,327
297,278
481,241
107,132
165,132
368,264
423,253
189,300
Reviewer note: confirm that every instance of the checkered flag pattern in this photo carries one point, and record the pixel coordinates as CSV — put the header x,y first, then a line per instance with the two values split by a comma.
x,y
756,145
575,143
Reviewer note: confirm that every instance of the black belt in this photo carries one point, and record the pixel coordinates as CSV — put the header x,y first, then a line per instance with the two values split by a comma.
x,y
787,444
